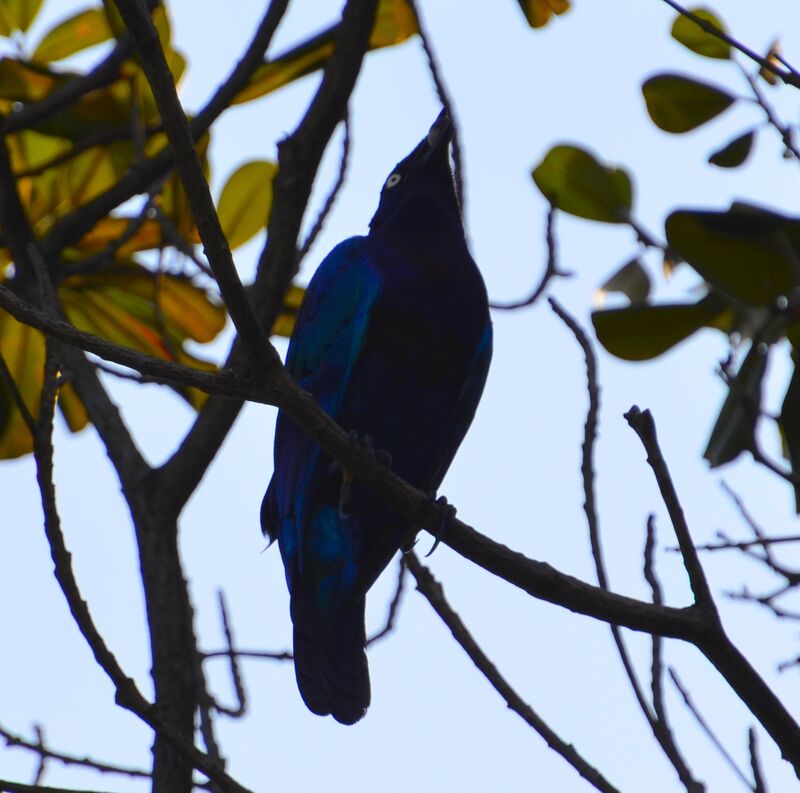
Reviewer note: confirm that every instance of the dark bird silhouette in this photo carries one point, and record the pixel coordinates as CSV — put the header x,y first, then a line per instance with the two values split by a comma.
x,y
394,341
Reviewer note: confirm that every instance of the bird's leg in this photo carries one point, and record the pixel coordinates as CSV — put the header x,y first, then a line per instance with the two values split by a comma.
x,y
346,489
447,518
448,515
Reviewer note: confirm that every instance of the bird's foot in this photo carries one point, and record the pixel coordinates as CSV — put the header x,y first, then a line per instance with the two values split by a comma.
x,y
448,516
346,489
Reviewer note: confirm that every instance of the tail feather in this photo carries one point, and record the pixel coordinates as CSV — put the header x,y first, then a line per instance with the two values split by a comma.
x,y
330,661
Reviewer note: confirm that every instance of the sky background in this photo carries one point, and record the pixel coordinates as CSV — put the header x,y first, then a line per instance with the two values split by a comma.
x,y
435,723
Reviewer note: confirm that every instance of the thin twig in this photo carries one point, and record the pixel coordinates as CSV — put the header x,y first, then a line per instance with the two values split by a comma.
x,y
759,786
432,590
441,91
784,130
332,195
644,426
236,676
7,786
661,727
708,731
655,716
789,76
551,268
39,748
394,604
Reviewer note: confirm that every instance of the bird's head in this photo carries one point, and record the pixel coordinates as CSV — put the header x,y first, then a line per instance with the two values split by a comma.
x,y
422,183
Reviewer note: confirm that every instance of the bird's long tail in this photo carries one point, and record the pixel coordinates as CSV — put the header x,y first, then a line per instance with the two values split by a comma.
x,y
330,660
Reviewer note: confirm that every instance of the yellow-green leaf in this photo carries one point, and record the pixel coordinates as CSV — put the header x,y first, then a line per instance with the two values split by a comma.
x,y
766,74
17,15
679,104
284,324
395,22
747,252
692,35
734,153
246,200
108,231
72,408
539,12
638,333
27,82
22,348
83,29
575,182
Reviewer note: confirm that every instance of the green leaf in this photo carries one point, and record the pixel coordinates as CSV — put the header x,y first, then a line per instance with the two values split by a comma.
x,y
639,333
747,252
736,422
630,280
540,12
790,426
17,15
691,35
679,104
575,182
245,202
395,22
80,31
735,153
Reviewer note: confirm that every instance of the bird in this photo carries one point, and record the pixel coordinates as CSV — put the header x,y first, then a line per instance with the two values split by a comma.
x,y
393,340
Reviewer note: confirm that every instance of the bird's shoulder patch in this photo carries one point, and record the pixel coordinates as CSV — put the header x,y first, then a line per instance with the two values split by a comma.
x,y
333,319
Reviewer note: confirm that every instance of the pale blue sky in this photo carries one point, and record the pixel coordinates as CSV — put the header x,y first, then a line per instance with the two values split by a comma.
x,y
435,723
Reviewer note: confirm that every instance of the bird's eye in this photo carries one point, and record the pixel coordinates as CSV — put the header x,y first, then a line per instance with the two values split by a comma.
x,y
393,180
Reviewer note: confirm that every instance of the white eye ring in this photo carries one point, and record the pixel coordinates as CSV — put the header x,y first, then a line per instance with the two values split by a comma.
x,y
393,180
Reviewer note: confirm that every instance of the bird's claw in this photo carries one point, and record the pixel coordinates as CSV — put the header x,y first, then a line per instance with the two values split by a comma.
x,y
449,514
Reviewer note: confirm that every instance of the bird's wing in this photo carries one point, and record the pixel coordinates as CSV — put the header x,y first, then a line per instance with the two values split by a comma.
x,y
464,409
329,334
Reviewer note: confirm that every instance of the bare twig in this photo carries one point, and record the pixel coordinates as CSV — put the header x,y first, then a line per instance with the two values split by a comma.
x,y
759,786
661,726
7,786
708,731
790,76
434,593
394,604
236,677
644,426
39,748
551,269
441,91
784,130
330,200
